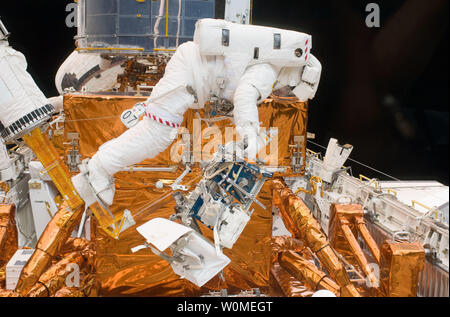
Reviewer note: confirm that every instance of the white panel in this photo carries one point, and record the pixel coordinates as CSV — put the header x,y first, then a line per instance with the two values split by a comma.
x,y
162,233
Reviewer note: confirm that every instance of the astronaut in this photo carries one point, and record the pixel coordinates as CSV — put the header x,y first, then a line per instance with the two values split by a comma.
x,y
236,64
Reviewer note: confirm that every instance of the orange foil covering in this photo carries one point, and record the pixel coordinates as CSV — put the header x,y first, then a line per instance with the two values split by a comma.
x,y
53,281
46,153
290,116
89,288
337,237
303,226
8,235
53,238
306,271
69,292
55,277
7,293
63,222
74,251
289,285
346,224
97,120
282,282
401,265
2,278
284,243
121,273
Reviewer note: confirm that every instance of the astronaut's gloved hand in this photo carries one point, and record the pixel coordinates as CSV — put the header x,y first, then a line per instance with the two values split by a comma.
x,y
254,141
310,78
101,181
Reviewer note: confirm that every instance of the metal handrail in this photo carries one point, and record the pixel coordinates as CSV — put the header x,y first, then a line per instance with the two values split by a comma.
x,y
371,181
415,202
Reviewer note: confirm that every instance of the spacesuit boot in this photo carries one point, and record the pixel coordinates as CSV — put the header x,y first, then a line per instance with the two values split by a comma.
x,y
101,181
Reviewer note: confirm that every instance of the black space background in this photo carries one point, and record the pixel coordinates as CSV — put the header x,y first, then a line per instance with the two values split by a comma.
x,y
406,59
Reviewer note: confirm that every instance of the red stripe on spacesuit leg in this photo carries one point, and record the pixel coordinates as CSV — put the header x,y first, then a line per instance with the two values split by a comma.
x,y
161,121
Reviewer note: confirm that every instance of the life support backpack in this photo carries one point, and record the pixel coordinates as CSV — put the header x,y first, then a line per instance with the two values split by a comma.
x,y
255,44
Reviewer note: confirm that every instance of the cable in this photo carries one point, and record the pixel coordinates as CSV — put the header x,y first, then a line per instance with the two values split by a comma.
x,y
362,164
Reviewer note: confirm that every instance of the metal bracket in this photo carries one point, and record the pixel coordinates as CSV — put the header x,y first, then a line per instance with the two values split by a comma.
x,y
73,156
297,155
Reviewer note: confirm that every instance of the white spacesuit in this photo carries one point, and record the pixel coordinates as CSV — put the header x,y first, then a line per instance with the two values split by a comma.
x,y
239,63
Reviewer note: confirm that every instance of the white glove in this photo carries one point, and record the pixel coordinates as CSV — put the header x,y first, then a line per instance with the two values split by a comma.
x,y
255,142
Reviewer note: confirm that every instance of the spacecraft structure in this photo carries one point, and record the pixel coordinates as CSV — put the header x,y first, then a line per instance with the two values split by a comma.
x,y
175,162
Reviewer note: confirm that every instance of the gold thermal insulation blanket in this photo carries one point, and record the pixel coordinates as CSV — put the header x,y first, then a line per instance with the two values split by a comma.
x,y
338,240
282,244
63,222
290,116
401,265
76,257
89,288
8,234
46,153
7,293
97,120
52,239
289,285
55,277
294,270
345,226
303,226
306,271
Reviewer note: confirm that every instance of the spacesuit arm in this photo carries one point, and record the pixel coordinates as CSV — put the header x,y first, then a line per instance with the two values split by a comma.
x,y
310,79
254,86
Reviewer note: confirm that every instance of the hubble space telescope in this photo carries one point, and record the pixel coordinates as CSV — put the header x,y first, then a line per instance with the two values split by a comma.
x,y
115,168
